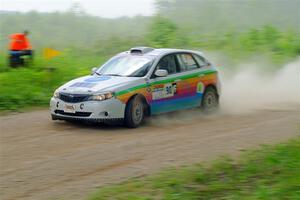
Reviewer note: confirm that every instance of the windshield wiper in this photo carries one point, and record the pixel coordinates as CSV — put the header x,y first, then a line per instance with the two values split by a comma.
x,y
97,73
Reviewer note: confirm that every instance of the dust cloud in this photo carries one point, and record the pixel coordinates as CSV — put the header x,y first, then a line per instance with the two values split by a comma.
x,y
245,89
251,88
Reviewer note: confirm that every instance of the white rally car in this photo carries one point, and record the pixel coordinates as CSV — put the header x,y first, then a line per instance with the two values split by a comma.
x,y
139,82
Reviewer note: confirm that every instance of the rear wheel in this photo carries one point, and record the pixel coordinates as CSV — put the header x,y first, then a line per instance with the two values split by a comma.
x,y
134,112
210,100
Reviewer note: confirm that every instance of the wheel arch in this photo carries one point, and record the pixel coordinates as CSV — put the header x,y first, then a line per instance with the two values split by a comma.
x,y
213,87
147,105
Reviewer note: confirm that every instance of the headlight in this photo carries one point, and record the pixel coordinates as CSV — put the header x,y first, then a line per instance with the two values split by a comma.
x,y
101,97
56,94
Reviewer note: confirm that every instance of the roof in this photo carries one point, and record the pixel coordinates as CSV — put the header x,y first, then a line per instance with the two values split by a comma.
x,y
157,52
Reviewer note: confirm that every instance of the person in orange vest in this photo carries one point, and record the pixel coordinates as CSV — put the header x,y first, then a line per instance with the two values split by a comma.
x,y
19,46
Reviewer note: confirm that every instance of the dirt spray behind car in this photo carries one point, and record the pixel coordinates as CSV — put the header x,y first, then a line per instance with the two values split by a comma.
x,y
251,88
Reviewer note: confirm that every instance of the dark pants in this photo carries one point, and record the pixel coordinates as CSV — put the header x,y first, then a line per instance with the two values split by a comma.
x,y
16,58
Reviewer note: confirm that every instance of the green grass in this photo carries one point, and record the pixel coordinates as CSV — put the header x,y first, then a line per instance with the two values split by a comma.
x,y
34,85
272,172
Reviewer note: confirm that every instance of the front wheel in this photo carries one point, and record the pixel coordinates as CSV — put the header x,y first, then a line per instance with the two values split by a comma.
x,y
210,100
134,113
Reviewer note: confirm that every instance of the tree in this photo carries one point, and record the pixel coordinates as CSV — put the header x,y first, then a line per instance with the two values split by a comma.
x,y
163,32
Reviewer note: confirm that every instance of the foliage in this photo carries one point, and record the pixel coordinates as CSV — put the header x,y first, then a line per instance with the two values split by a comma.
x,y
271,172
279,46
207,16
34,85
179,20
61,30
164,33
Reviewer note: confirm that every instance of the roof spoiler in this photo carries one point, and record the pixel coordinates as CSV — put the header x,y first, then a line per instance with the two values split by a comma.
x,y
141,50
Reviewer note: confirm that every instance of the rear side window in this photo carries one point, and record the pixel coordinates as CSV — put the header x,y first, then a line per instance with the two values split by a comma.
x,y
200,60
187,62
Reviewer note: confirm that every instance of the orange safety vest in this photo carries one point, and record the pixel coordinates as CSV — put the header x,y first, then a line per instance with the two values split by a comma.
x,y
19,42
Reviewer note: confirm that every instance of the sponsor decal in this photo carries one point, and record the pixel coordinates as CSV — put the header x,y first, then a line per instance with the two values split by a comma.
x,y
83,84
69,108
159,83
200,87
164,91
97,79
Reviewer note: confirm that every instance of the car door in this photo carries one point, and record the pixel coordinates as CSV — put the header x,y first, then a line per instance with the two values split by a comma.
x,y
192,87
208,75
165,97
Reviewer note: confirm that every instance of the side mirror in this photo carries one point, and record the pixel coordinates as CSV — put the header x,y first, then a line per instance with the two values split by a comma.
x,y
161,73
94,69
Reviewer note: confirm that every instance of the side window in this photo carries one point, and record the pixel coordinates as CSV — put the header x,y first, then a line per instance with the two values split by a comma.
x,y
200,60
168,63
187,62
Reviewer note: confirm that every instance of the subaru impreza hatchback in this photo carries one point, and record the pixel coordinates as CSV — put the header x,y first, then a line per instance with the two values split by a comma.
x,y
137,83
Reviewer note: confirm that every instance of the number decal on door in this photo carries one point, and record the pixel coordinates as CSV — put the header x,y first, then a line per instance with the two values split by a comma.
x,y
164,91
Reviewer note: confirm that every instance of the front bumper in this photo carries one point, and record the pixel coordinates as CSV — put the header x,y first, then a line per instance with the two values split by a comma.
x,y
98,111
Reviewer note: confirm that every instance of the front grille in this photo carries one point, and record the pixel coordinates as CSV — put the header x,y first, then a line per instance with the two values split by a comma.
x,y
73,98
76,114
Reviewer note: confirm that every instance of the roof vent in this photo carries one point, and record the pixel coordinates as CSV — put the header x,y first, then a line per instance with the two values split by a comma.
x,y
140,50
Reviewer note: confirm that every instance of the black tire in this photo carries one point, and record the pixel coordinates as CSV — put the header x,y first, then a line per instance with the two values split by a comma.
x,y
134,112
210,100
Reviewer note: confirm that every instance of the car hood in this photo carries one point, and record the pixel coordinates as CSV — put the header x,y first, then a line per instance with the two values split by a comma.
x,y
95,83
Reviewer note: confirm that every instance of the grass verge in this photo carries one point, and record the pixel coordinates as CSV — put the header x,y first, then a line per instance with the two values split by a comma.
x,y
34,85
272,172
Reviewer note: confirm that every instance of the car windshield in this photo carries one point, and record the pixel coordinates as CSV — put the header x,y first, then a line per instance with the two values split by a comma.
x,y
129,65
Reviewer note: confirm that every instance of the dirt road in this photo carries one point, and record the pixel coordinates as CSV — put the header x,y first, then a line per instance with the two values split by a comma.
x,y
41,159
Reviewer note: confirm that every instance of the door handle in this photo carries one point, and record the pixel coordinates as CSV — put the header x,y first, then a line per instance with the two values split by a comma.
x,y
177,80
